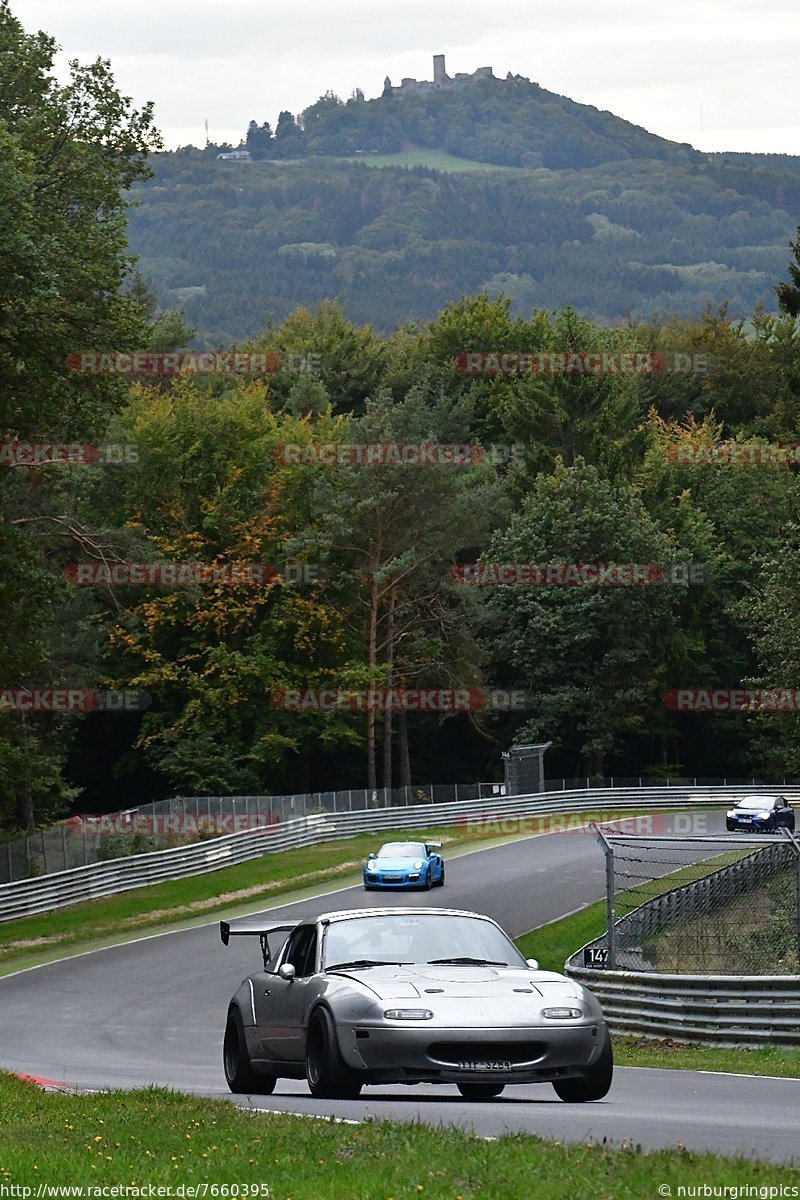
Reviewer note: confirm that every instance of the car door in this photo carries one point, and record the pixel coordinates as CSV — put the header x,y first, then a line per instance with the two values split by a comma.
x,y
281,1009
436,862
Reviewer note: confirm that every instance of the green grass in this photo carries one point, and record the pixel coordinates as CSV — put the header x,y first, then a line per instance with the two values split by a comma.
x,y
680,1056
158,1138
437,160
248,886
553,944
235,891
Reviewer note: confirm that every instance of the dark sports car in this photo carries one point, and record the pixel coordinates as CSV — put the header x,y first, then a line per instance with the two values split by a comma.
x,y
405,865
409,995
761,814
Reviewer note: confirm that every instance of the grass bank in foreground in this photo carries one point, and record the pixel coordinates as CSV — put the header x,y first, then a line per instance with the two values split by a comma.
x,y
156,1138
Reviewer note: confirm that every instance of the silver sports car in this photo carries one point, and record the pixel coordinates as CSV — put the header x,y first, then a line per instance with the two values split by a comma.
x,y
409,995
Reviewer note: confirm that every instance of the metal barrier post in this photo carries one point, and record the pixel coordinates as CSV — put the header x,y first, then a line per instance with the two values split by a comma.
x,y
796,845
608,850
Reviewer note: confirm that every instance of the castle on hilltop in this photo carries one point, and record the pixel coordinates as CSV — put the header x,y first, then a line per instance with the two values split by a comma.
x,y
441,80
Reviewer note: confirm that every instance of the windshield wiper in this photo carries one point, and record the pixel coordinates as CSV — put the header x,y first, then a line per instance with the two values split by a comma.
x,y
365,962
466,962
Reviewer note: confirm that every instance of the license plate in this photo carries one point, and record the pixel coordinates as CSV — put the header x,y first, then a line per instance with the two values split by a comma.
x,y
485,1065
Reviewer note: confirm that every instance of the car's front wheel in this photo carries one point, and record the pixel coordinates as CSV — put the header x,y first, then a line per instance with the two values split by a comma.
x,y
239,1072
480,1091
328,1075
594,1085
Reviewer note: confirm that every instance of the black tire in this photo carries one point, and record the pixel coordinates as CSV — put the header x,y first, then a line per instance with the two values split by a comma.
x,y
239,1072
594,1085
427,884
328,1075
480,1091
441,878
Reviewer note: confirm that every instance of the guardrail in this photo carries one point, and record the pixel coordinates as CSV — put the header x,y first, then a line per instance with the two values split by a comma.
x,y
499,814
725,1009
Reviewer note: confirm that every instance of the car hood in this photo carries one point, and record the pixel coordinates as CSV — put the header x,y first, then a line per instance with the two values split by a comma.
x,y
484,983
397,864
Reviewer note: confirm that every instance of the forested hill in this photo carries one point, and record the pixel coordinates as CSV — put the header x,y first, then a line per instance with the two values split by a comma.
x,y
599,214
510,122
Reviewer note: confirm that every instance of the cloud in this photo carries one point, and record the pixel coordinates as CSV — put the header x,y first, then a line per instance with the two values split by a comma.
x,y
246,59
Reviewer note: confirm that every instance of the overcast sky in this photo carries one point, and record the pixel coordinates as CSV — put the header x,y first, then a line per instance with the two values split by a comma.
x,y
722,75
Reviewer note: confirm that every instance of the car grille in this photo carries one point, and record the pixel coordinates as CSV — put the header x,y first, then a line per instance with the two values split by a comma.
x,y
455,1053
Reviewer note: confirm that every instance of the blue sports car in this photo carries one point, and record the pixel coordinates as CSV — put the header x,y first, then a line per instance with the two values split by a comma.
x,y
405,865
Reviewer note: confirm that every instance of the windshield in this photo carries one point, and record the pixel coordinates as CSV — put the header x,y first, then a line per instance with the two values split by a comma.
x,y
402,850
418,938
756,803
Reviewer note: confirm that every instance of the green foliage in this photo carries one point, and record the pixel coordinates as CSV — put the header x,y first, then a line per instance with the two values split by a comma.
x,y
789,293
585,654
408,242
68,153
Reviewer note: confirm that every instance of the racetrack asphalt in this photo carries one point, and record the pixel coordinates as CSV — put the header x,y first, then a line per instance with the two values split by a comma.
x,y
153,1012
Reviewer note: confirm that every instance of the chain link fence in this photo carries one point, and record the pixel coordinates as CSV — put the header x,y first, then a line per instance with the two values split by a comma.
x,y
181,820
702,905
184,820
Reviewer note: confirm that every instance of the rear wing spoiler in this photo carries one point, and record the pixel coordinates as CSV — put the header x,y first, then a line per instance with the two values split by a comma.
x,y
262,932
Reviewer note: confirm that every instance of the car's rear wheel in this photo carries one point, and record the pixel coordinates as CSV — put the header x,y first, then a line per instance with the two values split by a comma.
x,y
239,1072
594,1084
328,1075
441,877
480,1091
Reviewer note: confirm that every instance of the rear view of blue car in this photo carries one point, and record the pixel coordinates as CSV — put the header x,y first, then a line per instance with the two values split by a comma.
x,y
405,865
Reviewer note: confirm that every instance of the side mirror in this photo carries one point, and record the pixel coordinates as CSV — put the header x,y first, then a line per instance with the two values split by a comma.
x,y
533,963
372,855
286,971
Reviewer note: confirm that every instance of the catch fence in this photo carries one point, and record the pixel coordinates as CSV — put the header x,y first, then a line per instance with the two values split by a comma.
x,y
185,820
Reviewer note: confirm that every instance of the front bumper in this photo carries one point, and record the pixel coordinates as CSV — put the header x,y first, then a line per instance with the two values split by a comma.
x,y
395,880
397,1053
738,825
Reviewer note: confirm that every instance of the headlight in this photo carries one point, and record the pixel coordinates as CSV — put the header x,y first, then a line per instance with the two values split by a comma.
x,y
562,1014
408,1014
371,866
763,816
418,865
732,813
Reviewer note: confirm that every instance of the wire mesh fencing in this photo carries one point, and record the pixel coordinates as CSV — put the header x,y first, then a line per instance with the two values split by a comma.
x,y
702,905
185,820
